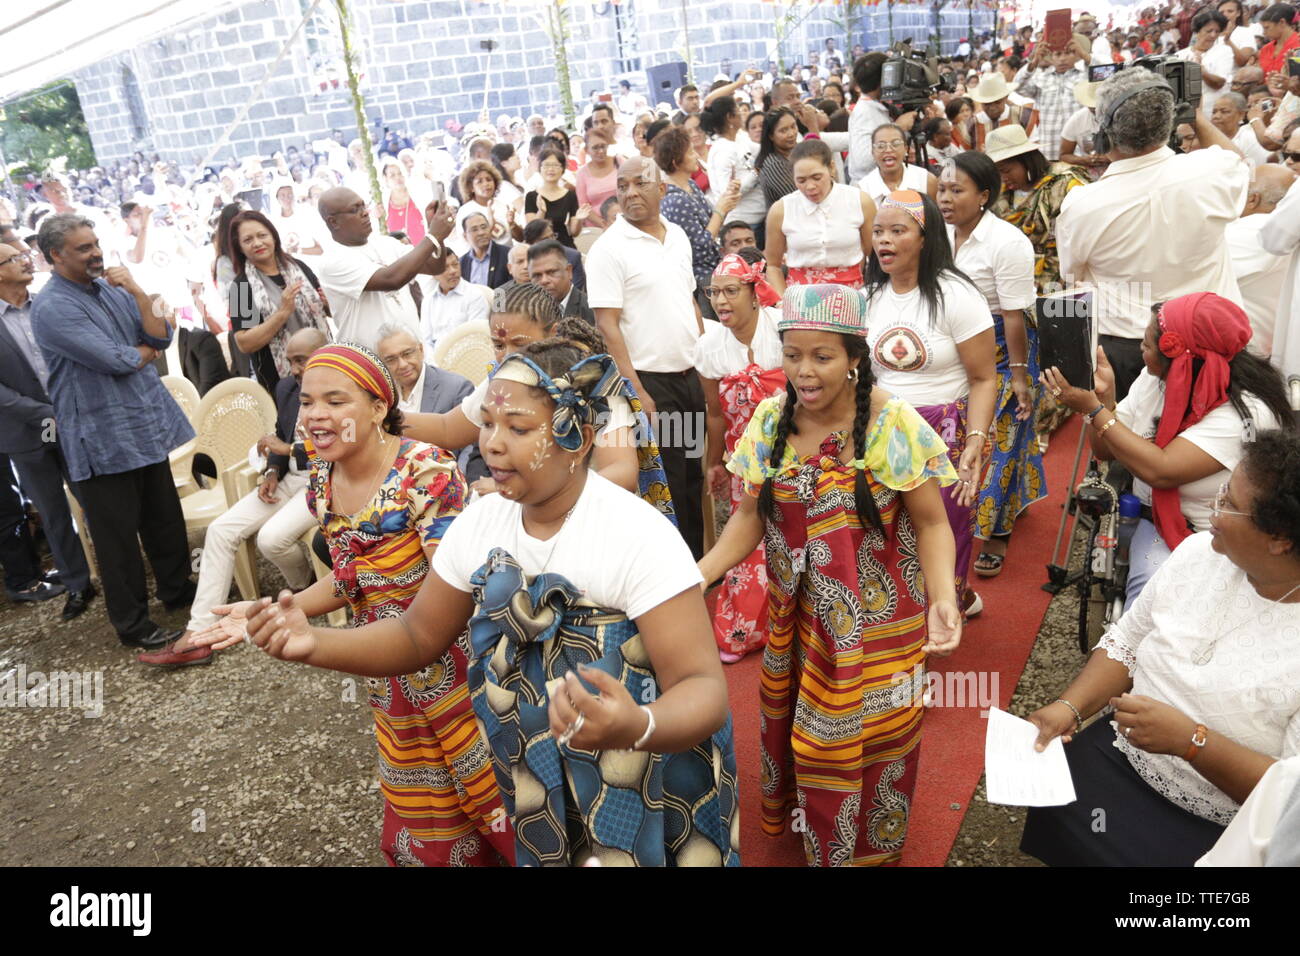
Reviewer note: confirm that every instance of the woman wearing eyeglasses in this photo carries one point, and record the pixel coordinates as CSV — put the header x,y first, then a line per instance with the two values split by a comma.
x,y
1186,422
1203,676
893,171
739,361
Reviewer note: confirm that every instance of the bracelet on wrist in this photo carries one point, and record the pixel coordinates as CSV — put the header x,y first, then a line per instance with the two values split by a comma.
x,y
1078,720
1092,415
1023,365
1109,425
649,729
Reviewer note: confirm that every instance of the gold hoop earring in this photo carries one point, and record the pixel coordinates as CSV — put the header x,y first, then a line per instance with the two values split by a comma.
x,y
853,375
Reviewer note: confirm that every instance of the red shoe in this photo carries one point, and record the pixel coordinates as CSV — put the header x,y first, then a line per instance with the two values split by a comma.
x,y
167,657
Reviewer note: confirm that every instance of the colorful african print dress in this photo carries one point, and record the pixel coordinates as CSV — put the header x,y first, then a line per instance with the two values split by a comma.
x,y
1014,477
1035,216
843,672
740,618
441,804
626,808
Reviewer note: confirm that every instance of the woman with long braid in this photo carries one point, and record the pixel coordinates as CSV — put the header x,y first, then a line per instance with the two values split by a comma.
x,y
841,484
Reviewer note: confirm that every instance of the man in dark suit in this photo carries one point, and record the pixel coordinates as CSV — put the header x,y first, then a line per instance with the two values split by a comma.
x,y
28,437
550,269
540,229
425,388
487,262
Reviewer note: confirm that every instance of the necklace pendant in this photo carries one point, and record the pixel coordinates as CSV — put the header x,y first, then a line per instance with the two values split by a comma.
x,y
1204,656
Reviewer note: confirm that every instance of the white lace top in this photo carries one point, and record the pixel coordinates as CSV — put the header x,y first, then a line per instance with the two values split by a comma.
x,y
1248,691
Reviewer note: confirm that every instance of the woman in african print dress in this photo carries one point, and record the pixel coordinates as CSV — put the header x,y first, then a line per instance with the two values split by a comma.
x,y
384,502
592,667
739,361
842,483
1033,189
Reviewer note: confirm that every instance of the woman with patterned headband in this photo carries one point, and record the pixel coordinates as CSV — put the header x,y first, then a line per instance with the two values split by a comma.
x,y
838,485
930,337
593,669
384,503
739,361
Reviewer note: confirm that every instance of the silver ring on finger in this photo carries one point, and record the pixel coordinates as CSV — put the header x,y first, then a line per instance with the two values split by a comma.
x,y
1127,731
248,638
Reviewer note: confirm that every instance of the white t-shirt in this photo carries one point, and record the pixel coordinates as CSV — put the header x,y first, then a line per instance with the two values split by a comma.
x,y
1079,130
914,177
634,571
719,353
1220,434
301,230
344,271
917,359
620,412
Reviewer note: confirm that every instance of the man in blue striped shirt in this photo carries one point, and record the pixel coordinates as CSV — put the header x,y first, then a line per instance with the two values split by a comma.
x,y
116,423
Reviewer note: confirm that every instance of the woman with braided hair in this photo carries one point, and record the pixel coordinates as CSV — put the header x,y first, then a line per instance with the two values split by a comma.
x,y
592,665
841,484
384,503
626,452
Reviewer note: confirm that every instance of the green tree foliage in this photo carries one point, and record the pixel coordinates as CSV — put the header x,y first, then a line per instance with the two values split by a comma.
x,y
46,129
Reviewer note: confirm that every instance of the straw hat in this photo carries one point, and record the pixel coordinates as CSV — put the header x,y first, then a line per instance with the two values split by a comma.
x,y
1008,141
1086,93
992,87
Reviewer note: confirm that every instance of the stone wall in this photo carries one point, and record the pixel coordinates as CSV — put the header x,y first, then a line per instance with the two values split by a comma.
x,y
423,65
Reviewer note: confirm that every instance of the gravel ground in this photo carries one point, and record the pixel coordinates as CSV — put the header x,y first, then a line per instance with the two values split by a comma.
x,y
251,761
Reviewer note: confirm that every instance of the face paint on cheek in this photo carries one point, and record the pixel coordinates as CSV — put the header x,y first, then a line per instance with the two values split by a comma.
x,y
543,450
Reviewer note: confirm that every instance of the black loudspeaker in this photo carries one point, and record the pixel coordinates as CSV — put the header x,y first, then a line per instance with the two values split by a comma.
x,y
664,81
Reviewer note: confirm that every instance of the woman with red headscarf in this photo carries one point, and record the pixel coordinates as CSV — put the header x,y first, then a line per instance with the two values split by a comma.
x,y
1184,424
739,361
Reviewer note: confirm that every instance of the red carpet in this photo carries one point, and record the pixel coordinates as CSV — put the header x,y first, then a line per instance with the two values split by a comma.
x,y
998,643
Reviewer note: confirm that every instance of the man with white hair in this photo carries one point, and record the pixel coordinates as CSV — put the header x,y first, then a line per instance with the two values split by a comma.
x,y
1260,274
1152,227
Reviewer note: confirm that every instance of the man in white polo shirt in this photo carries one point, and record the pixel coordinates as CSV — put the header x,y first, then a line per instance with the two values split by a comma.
x,y
1152,227
365,276
641,286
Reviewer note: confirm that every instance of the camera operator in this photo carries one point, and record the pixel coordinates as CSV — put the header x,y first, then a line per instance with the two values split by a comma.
x,y
1152,227
868,115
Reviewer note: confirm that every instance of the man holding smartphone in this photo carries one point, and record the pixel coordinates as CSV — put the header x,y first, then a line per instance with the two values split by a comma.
x,y
365,275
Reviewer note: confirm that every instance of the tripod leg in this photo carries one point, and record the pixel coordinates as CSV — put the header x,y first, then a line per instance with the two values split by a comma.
x,y
1069,499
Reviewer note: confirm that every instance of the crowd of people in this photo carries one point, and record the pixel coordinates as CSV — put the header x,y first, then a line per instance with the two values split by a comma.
x,y
842,293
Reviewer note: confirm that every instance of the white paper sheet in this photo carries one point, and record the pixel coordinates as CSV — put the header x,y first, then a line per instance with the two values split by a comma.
x,y
1018,775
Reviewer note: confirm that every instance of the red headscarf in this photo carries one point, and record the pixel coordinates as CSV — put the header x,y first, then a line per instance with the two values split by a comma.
x,y
1199,326
755,275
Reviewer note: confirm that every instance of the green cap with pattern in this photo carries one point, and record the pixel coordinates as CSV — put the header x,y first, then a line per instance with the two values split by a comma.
x,y
823,308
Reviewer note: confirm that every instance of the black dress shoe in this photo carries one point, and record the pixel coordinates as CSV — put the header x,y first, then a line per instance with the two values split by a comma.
x,y
152,641
77,601
36,591
52,577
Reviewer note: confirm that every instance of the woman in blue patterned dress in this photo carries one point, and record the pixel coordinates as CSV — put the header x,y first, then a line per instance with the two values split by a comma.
x,y
593,666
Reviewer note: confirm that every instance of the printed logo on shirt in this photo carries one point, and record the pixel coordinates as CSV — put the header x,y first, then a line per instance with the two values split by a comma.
x,y
900,348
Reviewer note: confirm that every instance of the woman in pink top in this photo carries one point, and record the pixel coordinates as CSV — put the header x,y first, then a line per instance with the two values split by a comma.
x,y
598,180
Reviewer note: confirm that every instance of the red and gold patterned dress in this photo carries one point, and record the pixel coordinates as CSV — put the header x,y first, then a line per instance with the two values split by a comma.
x,y
740,618
843,672
441,804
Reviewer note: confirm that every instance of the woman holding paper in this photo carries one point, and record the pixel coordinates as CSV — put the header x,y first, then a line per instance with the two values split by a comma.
x,y
1203,675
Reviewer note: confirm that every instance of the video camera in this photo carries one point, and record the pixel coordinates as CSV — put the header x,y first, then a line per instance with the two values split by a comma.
x,y
1183,77
910,78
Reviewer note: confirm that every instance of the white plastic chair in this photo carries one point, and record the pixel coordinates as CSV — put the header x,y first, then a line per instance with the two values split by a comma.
x,y
466,350
181,458
228,422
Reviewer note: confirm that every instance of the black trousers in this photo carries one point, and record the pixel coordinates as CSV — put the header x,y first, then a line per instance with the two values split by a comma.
x,y
679,430
120,507
17,549
41,474
1125,357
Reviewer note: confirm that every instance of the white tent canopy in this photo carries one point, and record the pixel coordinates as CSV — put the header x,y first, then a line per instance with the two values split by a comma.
x,y
62,36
